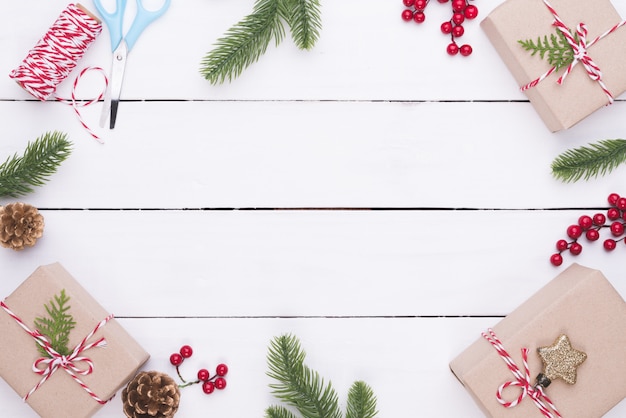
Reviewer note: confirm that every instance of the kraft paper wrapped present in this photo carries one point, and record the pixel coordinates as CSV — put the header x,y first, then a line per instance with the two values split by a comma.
x,y
61,396
579,303
560,105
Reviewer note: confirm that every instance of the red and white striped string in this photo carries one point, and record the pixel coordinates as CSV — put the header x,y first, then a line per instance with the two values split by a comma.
x,y
579,50
56,55
47,366
522,380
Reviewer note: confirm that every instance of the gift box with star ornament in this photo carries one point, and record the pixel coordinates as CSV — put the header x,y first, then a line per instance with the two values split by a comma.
x,y
61,351
560,353
551,48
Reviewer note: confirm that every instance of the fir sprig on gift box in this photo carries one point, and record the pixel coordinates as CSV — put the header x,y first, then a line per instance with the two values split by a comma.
x,y
57,326
303,389
245,42
42,157
590,161
554,48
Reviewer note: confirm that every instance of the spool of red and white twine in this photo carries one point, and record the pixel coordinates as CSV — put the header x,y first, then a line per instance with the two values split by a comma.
x,y
56,55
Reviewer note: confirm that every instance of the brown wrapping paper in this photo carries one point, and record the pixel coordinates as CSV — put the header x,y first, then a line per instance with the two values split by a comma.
x,y
61,396
560,106
580,303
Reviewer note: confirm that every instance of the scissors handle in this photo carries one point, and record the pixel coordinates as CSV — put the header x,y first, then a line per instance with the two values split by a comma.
x,y
113,20
143,18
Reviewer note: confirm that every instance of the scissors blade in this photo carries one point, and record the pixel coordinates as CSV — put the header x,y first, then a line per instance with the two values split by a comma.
x,y
112,96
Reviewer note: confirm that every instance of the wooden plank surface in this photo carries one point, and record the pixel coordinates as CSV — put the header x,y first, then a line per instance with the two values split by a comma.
x,y
380,200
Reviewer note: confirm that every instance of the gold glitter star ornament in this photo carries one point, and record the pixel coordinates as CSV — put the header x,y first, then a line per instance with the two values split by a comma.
x,y
560,360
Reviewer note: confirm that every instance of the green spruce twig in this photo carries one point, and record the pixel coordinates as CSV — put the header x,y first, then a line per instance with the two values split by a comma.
x,y
594,160
303,389
57,326
559,52
245,42
19,174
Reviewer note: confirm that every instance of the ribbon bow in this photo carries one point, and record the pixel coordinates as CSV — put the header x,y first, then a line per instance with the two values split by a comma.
x,y
47,366
522,380
580,54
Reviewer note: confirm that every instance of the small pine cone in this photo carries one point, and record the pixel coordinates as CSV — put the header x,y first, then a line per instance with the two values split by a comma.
x,y
151,394
20,226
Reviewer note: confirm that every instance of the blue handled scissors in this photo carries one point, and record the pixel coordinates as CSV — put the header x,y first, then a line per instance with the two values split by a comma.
x,y
121,45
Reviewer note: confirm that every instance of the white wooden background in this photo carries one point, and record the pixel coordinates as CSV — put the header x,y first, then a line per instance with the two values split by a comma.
x,y
172,225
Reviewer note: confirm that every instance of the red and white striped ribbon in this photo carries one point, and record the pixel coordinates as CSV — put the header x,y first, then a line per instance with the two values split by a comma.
x,y
56,55
47,366
522,380
579,50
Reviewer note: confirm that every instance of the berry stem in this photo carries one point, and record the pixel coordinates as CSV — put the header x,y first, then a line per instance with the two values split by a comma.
x,y
181,377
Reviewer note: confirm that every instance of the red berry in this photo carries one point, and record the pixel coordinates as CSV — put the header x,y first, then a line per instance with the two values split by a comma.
x,y
220,383
452,49
203,375
471,11
613,214
561,245
574,231
420,4
617,228
585,222
407,15
446,27
599,219
466,50
208,387
458,18
176,359
575,248
458,5
221,370
609,244
592,234
408,3
419,17
186,351
458,31
613,198
556,259
621,203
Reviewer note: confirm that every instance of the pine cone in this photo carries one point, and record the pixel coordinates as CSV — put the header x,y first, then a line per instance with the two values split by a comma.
x,y
151,394
20,226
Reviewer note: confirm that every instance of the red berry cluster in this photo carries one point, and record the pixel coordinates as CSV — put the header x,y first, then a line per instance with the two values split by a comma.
x,y
461,10
209,383
590,227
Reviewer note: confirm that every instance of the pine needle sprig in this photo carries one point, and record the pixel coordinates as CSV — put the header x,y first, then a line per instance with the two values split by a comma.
x,y
244,43
41,158
559,52
57,326
361,401
278,412
298,385
305,21
590,161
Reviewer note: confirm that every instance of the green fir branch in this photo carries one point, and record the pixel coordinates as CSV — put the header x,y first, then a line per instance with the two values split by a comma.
x,y
304,390
594,160
41,158
559,52
361,401
305,21
57,326
298,385
244,43
278,412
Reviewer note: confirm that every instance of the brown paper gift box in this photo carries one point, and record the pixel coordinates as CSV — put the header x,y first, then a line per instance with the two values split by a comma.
x,y
61,396
560,106
579,303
